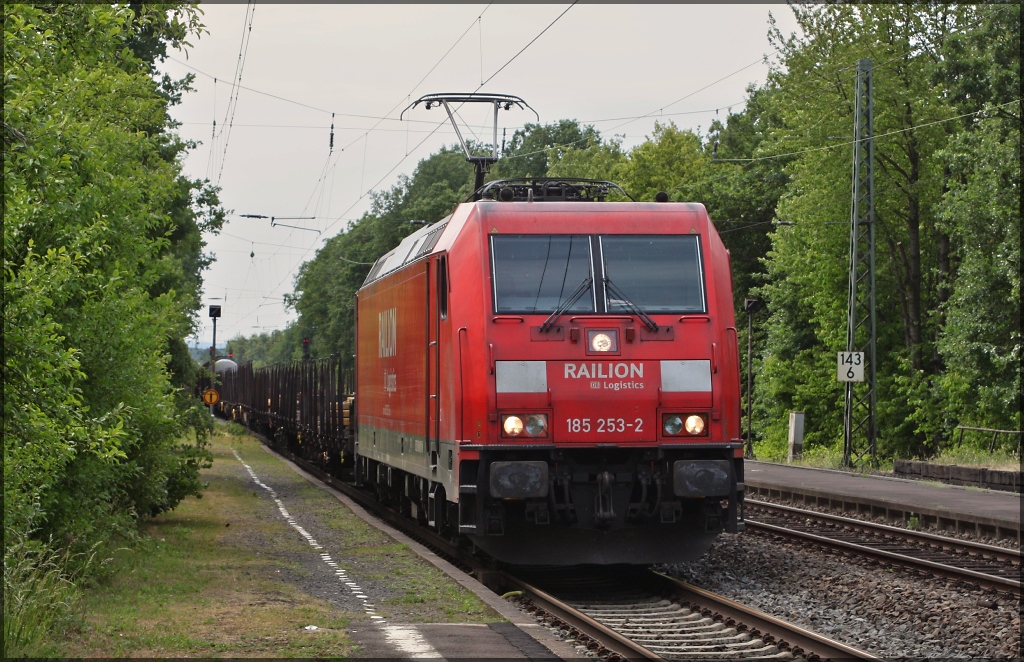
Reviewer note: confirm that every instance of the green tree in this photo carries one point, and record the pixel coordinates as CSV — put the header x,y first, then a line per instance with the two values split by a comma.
x,y
532,148
812,97
597,160
260,349
980,343
741,190
670,160
102,270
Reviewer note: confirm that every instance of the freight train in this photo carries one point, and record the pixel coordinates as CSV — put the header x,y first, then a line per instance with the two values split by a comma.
x,y
550,375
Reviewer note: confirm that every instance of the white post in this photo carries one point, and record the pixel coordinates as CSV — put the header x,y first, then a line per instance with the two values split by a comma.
x,y
796,435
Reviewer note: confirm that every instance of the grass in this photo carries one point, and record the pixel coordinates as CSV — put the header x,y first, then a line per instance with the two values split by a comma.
x,y
424,593
221,576
967,456
39,598
817,457
832,458
191,589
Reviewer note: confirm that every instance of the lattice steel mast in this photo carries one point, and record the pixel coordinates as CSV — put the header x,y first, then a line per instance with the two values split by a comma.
x,y
859,422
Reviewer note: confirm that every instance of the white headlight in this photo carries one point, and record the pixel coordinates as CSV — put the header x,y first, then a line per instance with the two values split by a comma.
x,y
694,424
603,341
513,426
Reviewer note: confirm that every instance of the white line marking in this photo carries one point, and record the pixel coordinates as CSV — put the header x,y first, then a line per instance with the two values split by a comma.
x,y
409,640
325,557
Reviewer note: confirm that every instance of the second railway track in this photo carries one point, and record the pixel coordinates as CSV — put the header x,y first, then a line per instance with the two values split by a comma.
x,y
985,565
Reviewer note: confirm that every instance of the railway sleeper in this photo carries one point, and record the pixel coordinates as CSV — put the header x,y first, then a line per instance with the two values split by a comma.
x,y
639,602
765,653
608,599
680,615
653,620
709,626
654,611
726,642
688,636
724,638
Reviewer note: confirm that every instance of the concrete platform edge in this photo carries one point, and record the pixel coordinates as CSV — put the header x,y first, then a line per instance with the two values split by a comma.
x,y
943,514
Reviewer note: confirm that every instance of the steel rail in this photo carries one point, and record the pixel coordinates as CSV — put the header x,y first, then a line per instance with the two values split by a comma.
x,y
770,630
922,537
614,643
774,630
951,572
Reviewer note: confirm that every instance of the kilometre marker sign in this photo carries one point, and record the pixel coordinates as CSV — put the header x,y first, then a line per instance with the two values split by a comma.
x,y
851,367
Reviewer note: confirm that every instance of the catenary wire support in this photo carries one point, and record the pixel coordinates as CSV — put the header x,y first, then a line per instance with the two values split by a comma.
x,y
274,221
503,101
859,420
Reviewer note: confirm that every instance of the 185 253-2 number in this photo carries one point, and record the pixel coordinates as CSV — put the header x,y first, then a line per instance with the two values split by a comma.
x,y
604,425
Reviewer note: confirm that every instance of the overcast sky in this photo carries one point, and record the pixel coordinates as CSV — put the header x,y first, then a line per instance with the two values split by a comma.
x,y
617,67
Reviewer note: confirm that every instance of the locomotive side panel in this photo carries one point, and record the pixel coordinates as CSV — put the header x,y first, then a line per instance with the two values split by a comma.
x,y
730,389
392,369
442,351
472,399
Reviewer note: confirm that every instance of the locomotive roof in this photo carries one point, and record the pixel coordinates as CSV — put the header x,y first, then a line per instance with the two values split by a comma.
x,y
423,241
412,248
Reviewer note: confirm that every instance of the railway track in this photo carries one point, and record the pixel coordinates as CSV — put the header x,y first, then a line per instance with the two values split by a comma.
x,y
987,566
640,614
626,613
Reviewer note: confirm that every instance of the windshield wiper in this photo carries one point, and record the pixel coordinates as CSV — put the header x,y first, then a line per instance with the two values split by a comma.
x,y
625,301
573,298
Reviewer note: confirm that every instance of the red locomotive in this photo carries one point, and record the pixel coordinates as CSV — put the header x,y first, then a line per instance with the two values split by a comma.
x,y
555,377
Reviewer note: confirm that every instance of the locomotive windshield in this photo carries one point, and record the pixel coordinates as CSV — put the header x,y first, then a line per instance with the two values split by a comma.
x,y
658,273
540,273
537,273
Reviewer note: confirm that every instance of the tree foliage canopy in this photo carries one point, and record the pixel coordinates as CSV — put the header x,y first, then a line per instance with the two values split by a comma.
x,y
920,55
102,272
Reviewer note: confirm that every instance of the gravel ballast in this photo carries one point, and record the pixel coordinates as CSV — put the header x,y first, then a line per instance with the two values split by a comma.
x,y
888,611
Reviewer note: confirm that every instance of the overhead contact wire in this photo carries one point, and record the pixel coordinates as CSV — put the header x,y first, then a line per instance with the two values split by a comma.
x,y
250,10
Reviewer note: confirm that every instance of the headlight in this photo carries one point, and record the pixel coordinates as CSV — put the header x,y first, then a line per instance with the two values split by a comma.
x,y
603,341
537,425
695,424
513,426
672,424
684,425
524,425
